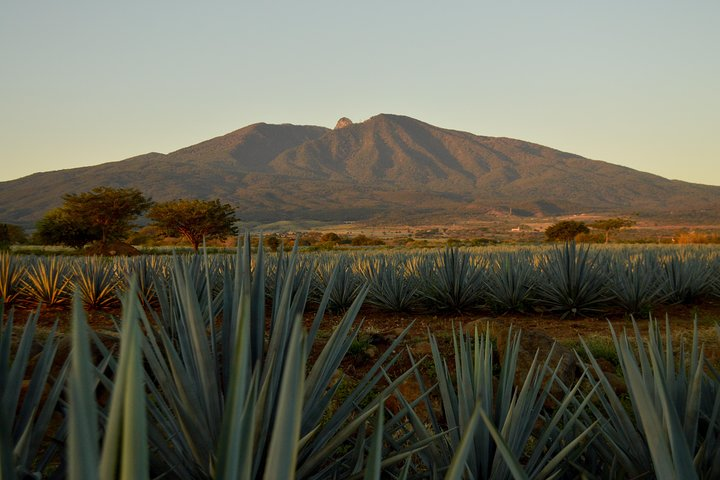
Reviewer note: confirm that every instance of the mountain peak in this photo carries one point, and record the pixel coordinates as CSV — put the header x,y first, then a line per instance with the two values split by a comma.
x,y
342,123
388,164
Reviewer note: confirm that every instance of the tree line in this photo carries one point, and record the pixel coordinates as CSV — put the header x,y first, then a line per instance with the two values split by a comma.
x,y
107,215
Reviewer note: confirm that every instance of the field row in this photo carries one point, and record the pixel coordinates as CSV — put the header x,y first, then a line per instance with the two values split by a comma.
x,y
567,280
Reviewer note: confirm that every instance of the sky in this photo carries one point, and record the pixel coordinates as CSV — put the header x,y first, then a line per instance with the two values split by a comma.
x,y
630,83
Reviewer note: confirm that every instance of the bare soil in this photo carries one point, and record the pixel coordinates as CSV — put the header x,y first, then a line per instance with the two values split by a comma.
x,y
379,328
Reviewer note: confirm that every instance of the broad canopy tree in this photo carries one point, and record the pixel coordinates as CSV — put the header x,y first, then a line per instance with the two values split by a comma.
x,y
612,224
10,235
565,230
104,214
194,219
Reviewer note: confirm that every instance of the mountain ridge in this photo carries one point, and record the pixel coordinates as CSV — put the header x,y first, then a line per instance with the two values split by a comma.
x,y
383,167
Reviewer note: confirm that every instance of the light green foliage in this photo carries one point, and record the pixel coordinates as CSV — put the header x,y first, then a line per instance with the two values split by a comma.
x,y
636,282
569,280
391,286
96,280
686,276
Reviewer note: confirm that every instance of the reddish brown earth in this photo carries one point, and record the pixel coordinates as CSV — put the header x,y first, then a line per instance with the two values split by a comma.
x,y
377,323
380,328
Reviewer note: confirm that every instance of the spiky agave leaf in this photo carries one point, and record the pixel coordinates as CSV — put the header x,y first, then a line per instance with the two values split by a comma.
x,y
635,281
23,431
125,451
510,282
495,447
675,427
96,280
83,451
12,270
250,377
47,281
391,287
687,275
572,282
452,279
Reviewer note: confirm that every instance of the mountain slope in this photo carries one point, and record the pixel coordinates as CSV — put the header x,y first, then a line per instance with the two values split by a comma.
x,y
389,165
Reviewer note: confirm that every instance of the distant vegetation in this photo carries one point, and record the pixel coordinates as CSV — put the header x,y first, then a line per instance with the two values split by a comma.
x,y
196,220
110,221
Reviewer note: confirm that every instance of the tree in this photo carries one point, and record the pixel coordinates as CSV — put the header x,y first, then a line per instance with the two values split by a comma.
x,y
565,230
612,224
10,235
194,219
59,227
273,242
104,214
110,210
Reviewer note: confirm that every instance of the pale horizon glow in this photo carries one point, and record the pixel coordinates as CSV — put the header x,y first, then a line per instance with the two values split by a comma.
x,y
629,83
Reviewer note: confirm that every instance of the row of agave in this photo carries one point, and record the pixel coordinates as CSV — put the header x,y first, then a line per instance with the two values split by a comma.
x,y
210,385
569,280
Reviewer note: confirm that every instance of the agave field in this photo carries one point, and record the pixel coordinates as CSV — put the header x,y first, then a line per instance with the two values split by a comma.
x,y
216,372
568,281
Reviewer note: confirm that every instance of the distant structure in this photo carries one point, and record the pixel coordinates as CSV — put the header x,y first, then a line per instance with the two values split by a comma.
x,y
342,123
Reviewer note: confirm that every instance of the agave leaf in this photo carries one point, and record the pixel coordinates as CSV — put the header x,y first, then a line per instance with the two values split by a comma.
x,y
650,418
510,459
83,449
373,467
283,447
234,452
125,440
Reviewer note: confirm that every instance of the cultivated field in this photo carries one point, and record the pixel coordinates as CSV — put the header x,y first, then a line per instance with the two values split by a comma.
x,y
400,364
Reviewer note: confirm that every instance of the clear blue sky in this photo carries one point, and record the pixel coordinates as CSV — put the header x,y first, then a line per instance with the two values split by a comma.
x,y
635,83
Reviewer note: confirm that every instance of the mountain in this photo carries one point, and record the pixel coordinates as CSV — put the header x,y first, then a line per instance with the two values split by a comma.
x,y
390,167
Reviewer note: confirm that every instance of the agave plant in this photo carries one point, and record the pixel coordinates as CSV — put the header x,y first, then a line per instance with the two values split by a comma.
x,y
47,281
687,276
223,399
147,271
673,427
510,282
492,423
391,286
95,279
451,280
28,401
124,451
636,282
346,283
12,270
573,282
